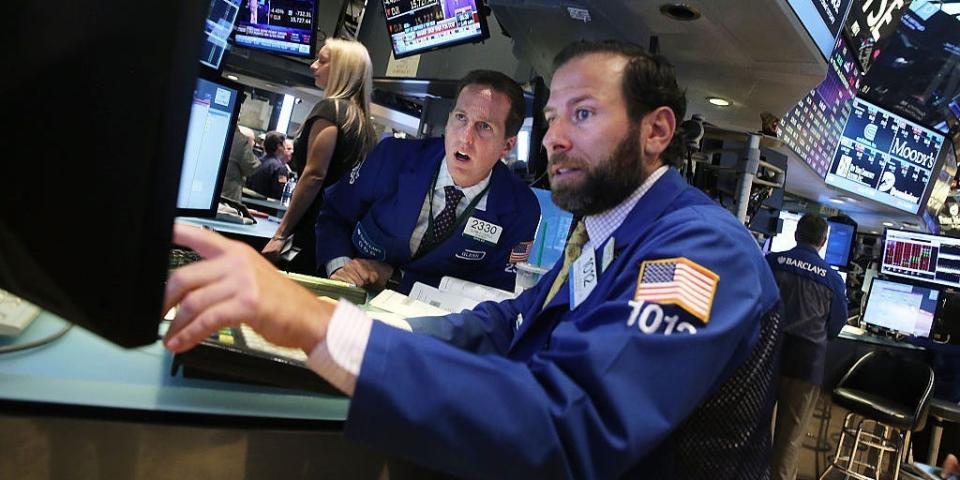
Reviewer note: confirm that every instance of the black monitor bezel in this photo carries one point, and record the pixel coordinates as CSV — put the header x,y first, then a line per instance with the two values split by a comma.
x,y
484,34
905,279
937,165
211,210
879,328
313,40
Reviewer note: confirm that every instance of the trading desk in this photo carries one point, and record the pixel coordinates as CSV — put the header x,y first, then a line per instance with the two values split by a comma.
x,y
264,228
82,407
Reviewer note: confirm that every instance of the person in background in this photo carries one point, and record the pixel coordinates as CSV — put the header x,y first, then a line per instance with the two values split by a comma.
x,y
655,360
815,305
333,140
271,177
242,162
419,210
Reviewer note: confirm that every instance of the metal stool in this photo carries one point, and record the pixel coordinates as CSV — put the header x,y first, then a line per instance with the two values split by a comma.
x,y
888,399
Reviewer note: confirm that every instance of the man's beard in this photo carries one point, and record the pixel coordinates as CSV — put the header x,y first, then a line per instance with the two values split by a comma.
x,y
606,184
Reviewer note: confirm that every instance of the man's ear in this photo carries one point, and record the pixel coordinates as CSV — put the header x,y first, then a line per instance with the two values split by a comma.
x,y
657,132
508,146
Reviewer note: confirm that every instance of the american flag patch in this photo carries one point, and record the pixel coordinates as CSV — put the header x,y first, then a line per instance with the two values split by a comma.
x,y
520,253
678,281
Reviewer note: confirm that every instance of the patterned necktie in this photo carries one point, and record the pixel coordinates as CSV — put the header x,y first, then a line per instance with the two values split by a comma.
x,y
570,253
443,222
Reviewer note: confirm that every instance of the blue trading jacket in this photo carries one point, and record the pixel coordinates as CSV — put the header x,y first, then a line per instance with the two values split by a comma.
x,y
600,391
815,309
374,216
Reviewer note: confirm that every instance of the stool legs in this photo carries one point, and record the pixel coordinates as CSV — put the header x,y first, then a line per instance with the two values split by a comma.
x,y
935,436
874,444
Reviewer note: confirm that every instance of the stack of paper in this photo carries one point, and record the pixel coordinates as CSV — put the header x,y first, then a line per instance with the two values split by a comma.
x,y
404,306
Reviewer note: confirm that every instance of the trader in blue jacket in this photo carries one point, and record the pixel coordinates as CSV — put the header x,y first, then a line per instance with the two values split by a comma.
x,y
815,305
419,210
649,353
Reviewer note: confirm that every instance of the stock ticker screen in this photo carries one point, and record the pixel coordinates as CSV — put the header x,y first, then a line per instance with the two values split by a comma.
x,y
416,26
920,256
813,127
885,157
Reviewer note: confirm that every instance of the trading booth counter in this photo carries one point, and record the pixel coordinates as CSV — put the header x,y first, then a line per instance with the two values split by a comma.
x,y
81,407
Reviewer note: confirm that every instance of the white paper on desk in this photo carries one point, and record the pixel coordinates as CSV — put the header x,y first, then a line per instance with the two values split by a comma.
x,y
405,306
475,291
445,300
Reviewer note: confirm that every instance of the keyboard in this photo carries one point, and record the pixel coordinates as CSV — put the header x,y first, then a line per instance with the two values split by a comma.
x,y
15,314
180,257
238,354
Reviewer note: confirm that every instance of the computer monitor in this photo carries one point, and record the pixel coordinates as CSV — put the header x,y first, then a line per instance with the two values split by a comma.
x,y
785,240
86,234
278,26
813,127
552,231
885,157
213,116
901,308
416,28
822,20
839,243
216,31
921,257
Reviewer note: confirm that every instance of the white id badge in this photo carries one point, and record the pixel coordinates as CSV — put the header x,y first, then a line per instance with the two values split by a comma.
x,y
583,277
485,232
607,254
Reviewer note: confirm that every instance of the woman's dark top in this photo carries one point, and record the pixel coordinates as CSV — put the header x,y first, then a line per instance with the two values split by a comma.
x,y
348,152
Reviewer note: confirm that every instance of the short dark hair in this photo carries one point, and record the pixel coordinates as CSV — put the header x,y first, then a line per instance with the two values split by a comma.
x,y
649,82
811,230
273,140
502,84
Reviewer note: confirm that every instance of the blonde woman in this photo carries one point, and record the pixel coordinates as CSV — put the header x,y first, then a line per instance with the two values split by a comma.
x,y
334,139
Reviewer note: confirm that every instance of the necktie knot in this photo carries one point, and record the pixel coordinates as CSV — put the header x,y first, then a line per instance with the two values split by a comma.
x,y
453,195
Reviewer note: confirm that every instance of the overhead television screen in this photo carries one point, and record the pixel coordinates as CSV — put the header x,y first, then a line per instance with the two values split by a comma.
x,y
279,26
885,157
812,128
923,257
917,73
868,26
417,26
822,20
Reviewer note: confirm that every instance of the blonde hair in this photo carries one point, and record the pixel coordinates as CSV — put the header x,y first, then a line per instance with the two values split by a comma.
x,y
351,78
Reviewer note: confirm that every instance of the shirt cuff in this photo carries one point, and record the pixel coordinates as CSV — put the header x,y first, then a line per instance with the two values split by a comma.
x,y
339,356
336,264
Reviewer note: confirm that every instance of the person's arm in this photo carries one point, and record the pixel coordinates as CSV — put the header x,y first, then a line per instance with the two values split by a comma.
x,y
838,307
320,147
349,200
611,387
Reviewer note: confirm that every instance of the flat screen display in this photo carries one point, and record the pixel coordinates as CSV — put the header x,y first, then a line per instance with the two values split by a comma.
x,y
869,25
921,256
216,30
885,157
812,128
902,308
209,133
279,26
917,73
822,19
551,236
839,243
785,240
417,26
